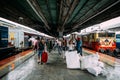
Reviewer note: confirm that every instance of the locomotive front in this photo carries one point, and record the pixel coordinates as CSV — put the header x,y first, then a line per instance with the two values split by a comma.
x,y
107,42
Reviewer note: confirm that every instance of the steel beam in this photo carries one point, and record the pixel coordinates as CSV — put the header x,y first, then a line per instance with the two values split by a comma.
x,y
71,8
79,10
87,12
48,7
60,13
96,14
36,8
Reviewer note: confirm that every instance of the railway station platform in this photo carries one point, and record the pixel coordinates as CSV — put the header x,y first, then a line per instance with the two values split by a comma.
x,y
27,68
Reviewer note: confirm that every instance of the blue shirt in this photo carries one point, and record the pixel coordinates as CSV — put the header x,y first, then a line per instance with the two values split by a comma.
x,y
79,43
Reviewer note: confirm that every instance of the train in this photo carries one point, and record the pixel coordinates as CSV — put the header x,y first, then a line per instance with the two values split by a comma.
x,y
117,51
100,40
14,38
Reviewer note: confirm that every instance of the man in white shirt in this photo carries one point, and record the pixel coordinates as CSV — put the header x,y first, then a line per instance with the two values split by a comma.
x,y
59,46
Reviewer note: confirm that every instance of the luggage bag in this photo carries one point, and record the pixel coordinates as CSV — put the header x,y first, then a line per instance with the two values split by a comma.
x,y
44,57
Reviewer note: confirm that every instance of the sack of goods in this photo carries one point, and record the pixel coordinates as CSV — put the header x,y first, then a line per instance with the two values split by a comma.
x,y
92,64
72,60
114,74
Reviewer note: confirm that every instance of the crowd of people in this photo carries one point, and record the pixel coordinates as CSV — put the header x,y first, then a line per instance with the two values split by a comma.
x,y
61,45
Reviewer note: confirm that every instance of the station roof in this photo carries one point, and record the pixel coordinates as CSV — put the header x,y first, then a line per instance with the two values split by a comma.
x,y
53,16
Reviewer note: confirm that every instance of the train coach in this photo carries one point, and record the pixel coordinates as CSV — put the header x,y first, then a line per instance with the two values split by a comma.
x,y
4,47
102,41
117,51
14,38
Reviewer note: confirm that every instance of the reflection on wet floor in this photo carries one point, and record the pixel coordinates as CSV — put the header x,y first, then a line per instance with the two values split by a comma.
x,y
55,69
12,58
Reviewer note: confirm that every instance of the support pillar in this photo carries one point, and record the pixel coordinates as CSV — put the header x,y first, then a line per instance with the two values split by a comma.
x,y
60,31
60,34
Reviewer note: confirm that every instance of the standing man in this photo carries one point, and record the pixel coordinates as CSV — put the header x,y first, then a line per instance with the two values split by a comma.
x,y
59,47
64,46
40,48
55,44
79,45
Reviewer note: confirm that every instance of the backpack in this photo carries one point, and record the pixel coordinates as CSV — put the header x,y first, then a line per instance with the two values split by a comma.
x,y
41,45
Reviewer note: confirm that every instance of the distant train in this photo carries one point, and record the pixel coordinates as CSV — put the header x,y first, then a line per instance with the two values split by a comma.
x,y
102,41
14,38
14,35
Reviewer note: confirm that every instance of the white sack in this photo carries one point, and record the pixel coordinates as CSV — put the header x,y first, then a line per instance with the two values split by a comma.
x,y
95,70
83,63
89,61
114,74
101,64
72,60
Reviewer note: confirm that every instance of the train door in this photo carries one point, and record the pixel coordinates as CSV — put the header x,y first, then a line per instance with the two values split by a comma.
x,y
17,39
21,39
13,37
91,41
26,41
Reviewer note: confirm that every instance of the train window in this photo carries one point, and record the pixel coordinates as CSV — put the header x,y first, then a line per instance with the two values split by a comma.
x,y
102,34
118,38
111,35
117,35
85,38
91,37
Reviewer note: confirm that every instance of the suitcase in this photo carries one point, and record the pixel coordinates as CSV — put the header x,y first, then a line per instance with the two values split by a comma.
x,y
44,57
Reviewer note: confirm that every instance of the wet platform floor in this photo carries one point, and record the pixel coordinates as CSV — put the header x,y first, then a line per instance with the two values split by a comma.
x,y
55,69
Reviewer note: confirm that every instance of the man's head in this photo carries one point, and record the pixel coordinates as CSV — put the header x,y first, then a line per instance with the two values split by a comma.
x,y
78,38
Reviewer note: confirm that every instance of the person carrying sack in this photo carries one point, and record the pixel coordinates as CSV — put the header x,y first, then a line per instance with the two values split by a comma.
x,y
79,45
